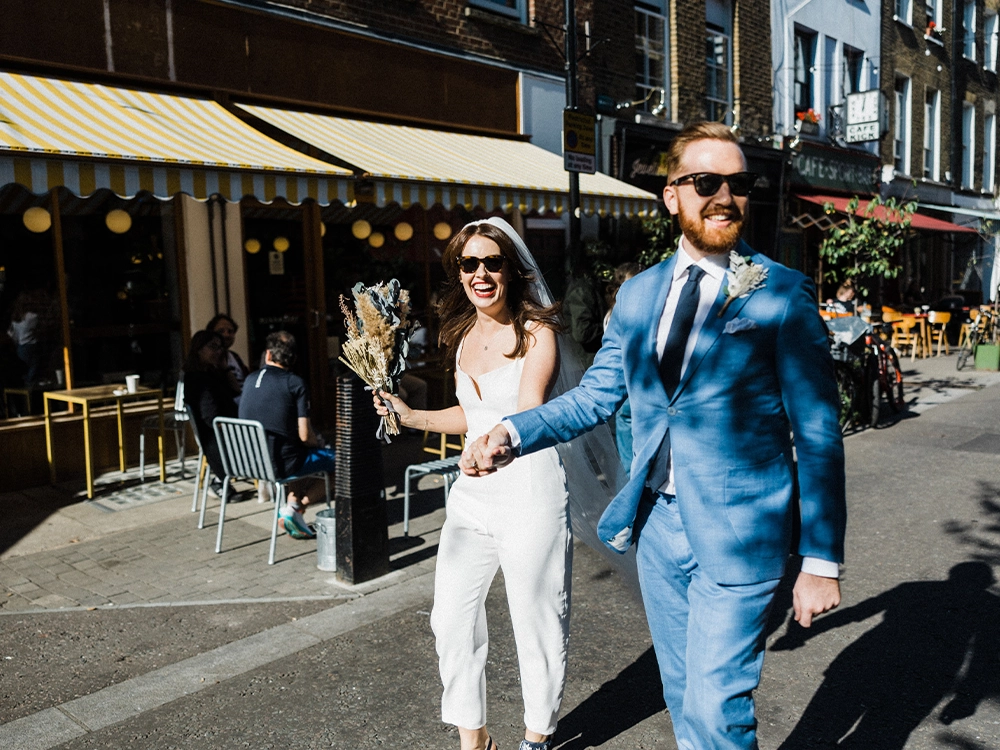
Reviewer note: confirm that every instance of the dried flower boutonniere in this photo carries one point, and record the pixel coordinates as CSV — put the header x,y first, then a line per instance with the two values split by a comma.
x,y
742,278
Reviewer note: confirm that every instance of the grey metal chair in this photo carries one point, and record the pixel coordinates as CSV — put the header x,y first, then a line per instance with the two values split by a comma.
x,y
446,468
245,455
175,422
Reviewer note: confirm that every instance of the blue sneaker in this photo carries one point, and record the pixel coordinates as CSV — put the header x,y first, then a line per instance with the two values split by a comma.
x,y
295,524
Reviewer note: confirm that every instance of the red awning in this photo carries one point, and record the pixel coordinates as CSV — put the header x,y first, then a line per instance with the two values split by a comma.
x,y
919,221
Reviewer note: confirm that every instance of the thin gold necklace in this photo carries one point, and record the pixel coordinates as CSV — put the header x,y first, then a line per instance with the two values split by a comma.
x,y
486,344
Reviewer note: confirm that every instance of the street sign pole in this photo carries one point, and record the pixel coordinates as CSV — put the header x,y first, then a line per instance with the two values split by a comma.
x,y
571,104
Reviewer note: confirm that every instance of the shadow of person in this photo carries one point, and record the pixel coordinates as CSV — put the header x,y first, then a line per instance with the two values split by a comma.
x,y
879,689
634,695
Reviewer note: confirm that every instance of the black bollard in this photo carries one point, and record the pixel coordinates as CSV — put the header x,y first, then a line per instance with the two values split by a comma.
x,y
362,520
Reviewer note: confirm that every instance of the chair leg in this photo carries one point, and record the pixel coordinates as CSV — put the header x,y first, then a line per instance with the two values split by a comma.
x,y
199,472
279,499
204,495
326,481
180,436
222,514
406,502
142,455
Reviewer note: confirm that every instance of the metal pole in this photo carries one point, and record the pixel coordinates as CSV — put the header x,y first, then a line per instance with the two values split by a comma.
x,y
571,104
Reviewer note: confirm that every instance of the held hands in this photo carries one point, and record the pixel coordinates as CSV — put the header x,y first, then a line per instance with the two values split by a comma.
x,y
814,595
488,453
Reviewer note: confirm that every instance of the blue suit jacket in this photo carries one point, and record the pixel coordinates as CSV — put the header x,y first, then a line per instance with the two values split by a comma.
x,y
730,419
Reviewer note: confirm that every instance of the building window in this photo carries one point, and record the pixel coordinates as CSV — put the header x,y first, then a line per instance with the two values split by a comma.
x,y
990,52
903,10
513,8
805,70
969,29
854,62
932,12
718,74
968,144
651,58
901,126
989,152
932,128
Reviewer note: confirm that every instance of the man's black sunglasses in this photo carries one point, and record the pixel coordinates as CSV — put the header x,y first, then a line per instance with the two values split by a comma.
x,y
708,183
470,263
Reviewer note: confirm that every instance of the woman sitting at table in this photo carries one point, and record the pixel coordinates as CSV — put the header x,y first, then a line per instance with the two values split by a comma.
x,y
209,393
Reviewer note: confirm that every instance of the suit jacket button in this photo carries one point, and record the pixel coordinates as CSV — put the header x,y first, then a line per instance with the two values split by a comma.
x,y
671,411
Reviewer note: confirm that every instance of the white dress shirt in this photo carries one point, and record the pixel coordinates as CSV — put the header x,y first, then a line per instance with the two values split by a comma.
x,y
715,267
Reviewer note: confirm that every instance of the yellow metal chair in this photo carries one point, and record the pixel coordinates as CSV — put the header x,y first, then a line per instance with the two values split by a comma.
x,y
963,334
440,446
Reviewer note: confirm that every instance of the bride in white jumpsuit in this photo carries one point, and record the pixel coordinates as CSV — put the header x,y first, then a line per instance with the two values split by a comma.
x,y
516,519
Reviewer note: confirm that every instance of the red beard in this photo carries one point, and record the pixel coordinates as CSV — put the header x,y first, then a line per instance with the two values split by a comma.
x,y
710,240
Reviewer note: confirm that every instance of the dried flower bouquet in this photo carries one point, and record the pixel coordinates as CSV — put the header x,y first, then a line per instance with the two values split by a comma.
x,y
378,336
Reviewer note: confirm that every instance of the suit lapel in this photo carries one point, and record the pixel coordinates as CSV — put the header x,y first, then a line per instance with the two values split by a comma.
x,y
713,327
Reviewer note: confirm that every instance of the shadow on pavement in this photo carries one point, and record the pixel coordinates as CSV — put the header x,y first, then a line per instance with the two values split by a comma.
x,y
937,640
631,697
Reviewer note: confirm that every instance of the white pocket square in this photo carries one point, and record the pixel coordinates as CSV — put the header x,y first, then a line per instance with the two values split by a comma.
x,y
738,325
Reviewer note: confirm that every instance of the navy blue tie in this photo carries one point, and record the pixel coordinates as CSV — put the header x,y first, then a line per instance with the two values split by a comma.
x,y
680,331
673,359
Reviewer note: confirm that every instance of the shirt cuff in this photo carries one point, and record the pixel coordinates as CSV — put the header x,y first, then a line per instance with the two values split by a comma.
x,y
515,436
823,568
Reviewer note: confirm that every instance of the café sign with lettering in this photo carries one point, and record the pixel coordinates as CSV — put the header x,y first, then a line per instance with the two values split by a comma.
x,y
824,167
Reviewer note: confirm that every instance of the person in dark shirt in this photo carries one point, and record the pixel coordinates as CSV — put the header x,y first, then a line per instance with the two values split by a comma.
x,y
208,392
277,398
236,369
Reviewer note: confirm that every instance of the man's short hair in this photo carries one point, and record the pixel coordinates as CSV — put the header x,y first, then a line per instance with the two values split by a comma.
x,y
281,345
220,317
696,131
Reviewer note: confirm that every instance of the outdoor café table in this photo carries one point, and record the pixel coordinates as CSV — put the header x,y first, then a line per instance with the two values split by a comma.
x,y
925,344
88,397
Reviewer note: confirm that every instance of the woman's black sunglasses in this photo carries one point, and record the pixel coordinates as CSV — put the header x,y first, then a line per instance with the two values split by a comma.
x,y
708,183
470,263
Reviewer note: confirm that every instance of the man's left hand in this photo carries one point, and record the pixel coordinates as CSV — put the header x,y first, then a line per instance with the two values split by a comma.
x,y
814,595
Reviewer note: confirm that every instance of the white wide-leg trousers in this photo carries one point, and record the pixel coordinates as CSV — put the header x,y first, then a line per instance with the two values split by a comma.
x,y
532,542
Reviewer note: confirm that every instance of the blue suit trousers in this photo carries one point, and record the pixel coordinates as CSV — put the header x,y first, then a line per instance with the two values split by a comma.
x,y
708,637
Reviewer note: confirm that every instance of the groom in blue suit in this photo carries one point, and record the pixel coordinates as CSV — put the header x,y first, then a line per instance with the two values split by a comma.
x,y
724,357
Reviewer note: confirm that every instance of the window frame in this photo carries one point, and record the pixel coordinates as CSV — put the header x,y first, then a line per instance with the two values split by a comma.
x,y
990,39
644,87
934,6
809,69
989,152
967,179
904,11
932,133
520,13
902,121
711,30
969,30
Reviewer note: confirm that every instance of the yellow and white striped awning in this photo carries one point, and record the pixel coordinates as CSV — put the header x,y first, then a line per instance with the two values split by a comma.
x,y
88,136
418,165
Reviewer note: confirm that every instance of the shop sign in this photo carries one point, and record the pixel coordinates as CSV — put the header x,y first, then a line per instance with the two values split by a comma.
x,y
839,169
579,143
276,263
867,116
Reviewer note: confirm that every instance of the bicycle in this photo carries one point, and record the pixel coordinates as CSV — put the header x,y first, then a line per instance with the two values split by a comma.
x,y
981,329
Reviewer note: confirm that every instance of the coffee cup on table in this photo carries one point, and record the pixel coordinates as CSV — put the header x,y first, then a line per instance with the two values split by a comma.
x,y
131,383
60,377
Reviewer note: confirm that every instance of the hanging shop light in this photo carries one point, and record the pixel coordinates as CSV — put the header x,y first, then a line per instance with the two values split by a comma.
x,y
361,229
322,229
442,230
37,219
281,244
403,231
376,239
118,221
252,246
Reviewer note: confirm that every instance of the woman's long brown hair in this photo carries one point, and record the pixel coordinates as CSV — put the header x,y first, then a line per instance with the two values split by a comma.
x,y
456,311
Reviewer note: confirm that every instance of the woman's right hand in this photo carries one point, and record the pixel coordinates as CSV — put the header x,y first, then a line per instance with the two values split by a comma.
x,y
398,405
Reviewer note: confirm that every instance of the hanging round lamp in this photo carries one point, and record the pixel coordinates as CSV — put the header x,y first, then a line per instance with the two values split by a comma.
x,y
118,221
361,229
281,244
403,231
252,246
442,230
376,239
36,219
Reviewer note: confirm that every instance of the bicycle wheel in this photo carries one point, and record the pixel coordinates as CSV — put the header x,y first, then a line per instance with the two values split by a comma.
x,y
892,381
967,349
847,390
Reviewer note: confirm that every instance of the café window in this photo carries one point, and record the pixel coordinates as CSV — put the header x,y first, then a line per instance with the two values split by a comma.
x,y
516,9
651,58
805,70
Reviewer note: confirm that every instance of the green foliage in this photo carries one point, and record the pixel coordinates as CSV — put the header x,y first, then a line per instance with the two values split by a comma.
x,y
865,248
596,253
660,241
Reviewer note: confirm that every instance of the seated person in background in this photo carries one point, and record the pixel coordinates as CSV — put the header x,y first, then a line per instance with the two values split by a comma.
x,y
845,302
209,393
277,398
237,370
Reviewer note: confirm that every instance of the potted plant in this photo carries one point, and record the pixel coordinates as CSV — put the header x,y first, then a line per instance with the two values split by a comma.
x,y
807,122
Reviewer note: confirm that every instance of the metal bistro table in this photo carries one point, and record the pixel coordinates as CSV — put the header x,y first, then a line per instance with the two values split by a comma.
x,y
88,397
